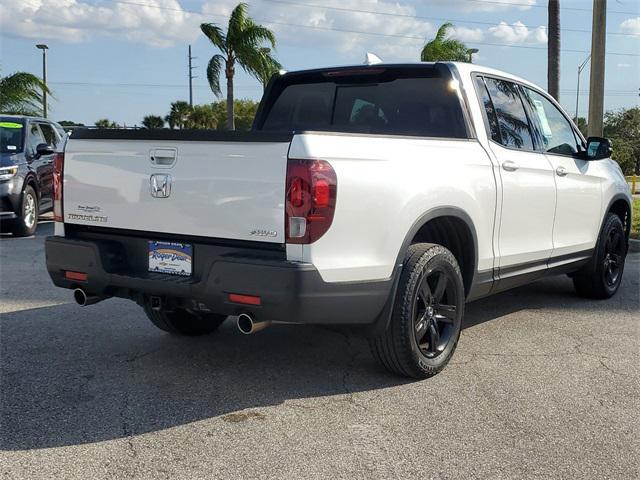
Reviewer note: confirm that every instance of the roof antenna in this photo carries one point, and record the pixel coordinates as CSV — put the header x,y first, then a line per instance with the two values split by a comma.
x,y
372,59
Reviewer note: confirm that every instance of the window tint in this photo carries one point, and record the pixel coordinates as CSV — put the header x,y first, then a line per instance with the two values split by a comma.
x,y
411,105
49,134
11,136
34,138
556,131
489,112
512,119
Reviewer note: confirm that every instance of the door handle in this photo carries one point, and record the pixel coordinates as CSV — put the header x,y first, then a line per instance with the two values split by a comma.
x,y
561,171
510,166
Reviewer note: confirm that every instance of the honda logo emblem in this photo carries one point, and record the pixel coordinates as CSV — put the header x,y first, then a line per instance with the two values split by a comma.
x,y
160,185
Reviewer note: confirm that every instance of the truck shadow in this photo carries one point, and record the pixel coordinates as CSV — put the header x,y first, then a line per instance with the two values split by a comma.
x,y
74,376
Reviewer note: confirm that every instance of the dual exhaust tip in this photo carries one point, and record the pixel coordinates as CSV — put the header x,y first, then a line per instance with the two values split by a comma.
x,y
246,323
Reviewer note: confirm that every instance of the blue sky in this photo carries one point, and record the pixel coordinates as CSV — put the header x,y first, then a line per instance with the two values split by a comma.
x,y
123,59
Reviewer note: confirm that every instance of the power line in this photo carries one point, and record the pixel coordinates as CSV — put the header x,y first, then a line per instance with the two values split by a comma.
x,y
377,34
167,85
422,17
516,4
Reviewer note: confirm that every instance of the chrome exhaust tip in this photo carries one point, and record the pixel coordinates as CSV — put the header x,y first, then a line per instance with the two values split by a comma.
x,y
248,325
82,299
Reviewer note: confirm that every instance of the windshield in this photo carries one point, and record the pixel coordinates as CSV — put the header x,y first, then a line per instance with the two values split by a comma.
x,y
11,136
396,101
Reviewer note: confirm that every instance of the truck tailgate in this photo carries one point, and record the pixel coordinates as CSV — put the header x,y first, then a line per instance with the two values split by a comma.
x,y
221,189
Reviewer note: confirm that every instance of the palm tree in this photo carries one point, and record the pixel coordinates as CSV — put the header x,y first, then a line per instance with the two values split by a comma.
x,y
106,123
21,94
443,49
179,115
553,49
153,121
202,116
241,44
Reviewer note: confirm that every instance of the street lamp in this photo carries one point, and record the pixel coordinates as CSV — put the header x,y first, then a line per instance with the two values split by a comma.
x,y
471,51
44,48
580,68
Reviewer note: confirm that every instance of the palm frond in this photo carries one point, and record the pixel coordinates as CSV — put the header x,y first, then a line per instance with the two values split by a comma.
x,y
215,34
214,70
237,22
21,92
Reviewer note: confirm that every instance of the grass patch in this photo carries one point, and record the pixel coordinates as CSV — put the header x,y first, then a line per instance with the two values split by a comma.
x,y
635,224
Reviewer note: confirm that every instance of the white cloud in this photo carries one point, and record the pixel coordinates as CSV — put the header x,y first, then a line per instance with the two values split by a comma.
x,y
631,25
485,5
74,21
351,46
517,33
465,34
624,65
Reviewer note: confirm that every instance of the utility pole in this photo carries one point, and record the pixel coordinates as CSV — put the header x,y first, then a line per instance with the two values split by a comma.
x,y
191,77
596,83
553,49
44,48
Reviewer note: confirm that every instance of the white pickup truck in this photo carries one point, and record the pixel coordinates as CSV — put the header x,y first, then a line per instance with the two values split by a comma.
x,y
378,196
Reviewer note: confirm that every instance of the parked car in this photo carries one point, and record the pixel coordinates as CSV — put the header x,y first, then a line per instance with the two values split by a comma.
x,y
380,196
28,146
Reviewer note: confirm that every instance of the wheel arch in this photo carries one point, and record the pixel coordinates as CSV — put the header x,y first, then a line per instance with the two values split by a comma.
x,y
621,206
452,228
421,230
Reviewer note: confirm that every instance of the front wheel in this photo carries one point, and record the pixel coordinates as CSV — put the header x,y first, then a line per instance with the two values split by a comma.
x,y
602,277
184,322
427,314
27,222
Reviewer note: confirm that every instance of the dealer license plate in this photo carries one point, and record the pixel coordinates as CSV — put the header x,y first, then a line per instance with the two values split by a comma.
x,y
169,257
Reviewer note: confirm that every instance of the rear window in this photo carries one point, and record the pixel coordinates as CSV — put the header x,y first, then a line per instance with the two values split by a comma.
x,y
417,102
11,136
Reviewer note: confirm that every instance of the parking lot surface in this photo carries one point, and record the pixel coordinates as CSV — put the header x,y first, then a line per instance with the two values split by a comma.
x,y
543,385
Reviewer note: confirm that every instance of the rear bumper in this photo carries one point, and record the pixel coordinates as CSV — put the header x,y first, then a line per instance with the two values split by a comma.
x,y
289,291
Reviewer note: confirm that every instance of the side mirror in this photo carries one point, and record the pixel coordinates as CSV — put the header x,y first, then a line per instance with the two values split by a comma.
x,y
598,148
44,149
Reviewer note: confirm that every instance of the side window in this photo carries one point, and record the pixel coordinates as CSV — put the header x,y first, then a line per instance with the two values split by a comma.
x,y
512,119
34,138
557,134
489,112
49,135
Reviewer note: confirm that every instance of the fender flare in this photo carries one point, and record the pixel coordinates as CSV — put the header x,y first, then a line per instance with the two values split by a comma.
x,y
381,323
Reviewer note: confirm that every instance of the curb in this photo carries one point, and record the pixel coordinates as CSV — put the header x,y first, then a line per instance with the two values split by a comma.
x,y
634,245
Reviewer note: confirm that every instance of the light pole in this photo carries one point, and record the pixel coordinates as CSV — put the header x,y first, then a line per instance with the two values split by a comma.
x,y
471,51
44,48
580,68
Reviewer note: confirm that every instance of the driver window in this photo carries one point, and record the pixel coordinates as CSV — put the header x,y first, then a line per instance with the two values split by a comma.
x,y
34,138
557,133
49,134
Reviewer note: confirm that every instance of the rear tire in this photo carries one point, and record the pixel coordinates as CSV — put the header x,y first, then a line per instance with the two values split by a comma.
x,y
601,278
27,222
427,314
184,322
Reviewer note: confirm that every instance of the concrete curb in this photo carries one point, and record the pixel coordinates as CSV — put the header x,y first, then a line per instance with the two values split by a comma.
x,y
634,246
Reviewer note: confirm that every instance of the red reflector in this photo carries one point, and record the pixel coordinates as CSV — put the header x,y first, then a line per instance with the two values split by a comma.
x,y
78,276
245,299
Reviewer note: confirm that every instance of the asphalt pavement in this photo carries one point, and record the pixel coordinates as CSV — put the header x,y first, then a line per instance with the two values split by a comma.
x,y
544,384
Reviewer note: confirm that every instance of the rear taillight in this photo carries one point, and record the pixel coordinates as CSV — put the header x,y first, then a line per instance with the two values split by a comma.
x,y
58,167
310,200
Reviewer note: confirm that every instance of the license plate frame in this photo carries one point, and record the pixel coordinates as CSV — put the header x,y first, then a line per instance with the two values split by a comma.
x,y
171,258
